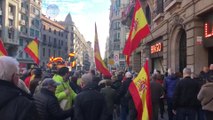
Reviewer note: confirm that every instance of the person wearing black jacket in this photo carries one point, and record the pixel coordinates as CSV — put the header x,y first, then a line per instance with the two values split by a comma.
x,y
47,104
15,104
185,97
89,103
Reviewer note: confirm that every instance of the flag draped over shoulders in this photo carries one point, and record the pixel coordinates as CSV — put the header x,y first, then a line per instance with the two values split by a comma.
x,y
140,91
100,65
32,50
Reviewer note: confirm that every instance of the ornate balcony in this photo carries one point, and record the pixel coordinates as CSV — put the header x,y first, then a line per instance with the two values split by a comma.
x,y
127,14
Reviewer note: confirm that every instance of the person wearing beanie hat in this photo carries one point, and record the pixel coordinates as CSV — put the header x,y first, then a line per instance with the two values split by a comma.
x,y
47,104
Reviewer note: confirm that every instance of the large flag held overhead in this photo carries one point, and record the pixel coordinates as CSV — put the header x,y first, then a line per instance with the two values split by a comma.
x,y
32,50
140,90
100,66
3,51
139,29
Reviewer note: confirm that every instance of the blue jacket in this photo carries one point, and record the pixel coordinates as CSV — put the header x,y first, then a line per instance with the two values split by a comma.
x,y
170,84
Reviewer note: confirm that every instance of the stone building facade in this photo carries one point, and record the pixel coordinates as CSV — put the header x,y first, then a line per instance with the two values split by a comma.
x,y
181,35
54,40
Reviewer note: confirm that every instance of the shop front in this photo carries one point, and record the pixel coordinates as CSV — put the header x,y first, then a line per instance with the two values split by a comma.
x,y
156,56
208,37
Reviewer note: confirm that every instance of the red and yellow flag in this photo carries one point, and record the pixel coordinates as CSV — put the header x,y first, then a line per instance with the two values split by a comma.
x,y
32,50
100,66
139,29
140,90
3,51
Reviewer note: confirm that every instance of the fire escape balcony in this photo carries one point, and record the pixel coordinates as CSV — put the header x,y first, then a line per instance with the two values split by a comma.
x,y
127,14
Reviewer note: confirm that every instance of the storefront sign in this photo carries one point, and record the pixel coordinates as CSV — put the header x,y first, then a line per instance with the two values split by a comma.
x,y
156,48
208,29
199,40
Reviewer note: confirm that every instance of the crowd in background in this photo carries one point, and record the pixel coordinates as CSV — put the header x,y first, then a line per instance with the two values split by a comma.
x,y
64,95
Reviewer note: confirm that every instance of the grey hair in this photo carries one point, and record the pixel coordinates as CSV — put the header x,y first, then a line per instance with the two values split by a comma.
x,y
187,71
8,66
87,79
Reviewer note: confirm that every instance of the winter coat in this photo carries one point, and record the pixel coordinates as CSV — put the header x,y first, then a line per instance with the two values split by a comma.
x,y
206,97
48,106
170,84
110,97
76,88
123,92
34,84
185,95
15,104
203,76
89,104
60,94
156,92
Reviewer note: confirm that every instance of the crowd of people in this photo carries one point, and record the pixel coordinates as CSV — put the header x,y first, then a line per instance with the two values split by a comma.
x,y
65,95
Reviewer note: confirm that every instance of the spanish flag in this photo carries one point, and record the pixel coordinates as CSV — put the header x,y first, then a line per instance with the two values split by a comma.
x,y
3,51
100,66
140,91
32,50
139,29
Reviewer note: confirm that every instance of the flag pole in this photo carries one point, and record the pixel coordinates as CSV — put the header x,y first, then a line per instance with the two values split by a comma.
x,y
161,64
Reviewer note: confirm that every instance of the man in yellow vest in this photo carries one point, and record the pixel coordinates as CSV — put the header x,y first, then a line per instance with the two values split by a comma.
x,y
64,91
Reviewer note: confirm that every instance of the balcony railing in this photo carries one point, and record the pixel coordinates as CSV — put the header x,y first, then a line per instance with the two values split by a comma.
x,y
22,22
127,14
12,41
44,43
23,10
11,16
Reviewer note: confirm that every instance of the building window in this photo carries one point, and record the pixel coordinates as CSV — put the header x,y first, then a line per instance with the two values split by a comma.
x,y
36,23
44,37
54,41
43,52
49,52
26,54
36,33
10,22
148,14
44,27
62,43
59,53
159,7
55,32
21,55
21,42
32,32
117,13
50,30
